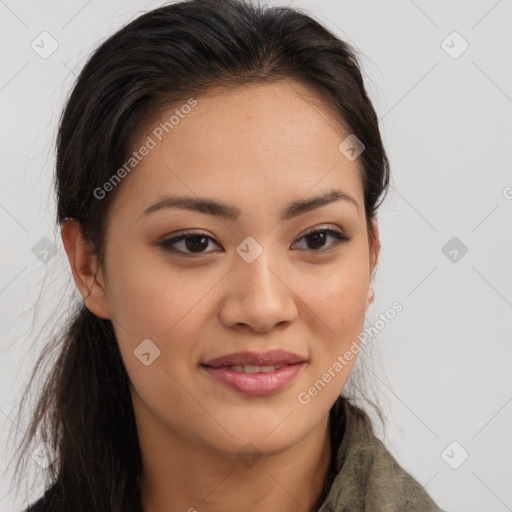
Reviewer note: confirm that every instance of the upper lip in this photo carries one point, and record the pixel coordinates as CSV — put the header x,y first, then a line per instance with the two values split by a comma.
x,y
270,358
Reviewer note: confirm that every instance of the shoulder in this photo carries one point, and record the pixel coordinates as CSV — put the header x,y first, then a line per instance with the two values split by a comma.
x,y
388,482
369,477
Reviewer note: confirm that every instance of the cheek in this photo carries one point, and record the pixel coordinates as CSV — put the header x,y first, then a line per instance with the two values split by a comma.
x,y
339,303
151,302
149,294
339,297
152,299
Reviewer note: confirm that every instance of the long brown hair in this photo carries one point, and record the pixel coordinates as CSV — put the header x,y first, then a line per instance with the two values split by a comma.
x,y
181,50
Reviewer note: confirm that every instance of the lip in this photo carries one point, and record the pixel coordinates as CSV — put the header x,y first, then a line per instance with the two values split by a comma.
x,y
260,383
269,358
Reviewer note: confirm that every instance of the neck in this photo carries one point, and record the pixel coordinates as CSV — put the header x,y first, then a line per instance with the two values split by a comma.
x,y
180,476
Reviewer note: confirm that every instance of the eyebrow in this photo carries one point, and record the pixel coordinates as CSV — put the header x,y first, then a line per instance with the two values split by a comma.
x,y
213,207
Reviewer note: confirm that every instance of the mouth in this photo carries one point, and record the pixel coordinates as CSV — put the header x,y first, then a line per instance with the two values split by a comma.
x,y
255,380
255,373
250,368
254,362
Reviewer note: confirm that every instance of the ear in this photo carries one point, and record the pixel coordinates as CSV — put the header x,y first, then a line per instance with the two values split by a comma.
x,y
374,258
85,268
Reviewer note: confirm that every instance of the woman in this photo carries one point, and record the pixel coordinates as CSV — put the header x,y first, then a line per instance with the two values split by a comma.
x,y
219,170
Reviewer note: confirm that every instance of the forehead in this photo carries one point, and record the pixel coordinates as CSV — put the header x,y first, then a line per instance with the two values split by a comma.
x,y
261,142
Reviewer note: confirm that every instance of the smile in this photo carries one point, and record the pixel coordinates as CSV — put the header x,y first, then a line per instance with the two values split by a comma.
x,y
255,380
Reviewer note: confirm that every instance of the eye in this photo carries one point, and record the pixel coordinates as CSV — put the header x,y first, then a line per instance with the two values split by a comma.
x,y
196,242
319,236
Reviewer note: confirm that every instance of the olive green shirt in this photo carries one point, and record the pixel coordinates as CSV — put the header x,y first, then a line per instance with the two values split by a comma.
x,y
367,478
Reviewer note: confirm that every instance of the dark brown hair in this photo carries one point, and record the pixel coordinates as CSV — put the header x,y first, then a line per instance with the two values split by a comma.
x,y
162,58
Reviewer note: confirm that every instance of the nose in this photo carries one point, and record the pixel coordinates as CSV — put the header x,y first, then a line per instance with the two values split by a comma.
x,y
257,296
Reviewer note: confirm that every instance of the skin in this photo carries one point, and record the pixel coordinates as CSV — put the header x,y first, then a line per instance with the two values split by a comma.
x,y
257,148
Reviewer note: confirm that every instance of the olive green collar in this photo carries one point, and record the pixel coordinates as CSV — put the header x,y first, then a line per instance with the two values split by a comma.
x,y
368,477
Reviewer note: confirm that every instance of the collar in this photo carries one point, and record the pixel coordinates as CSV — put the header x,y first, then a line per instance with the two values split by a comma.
x,y
365,476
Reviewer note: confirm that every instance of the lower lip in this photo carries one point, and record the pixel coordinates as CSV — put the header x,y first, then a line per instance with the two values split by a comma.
x,y
261,383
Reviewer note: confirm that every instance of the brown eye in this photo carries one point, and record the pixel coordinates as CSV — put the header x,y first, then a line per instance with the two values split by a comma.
x,y
191,243
317,239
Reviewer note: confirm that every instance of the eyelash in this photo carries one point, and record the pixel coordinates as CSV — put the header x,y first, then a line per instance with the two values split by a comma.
x,y
167,245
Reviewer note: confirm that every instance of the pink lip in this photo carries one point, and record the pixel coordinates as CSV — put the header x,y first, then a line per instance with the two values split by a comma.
x,y
269,358
260,383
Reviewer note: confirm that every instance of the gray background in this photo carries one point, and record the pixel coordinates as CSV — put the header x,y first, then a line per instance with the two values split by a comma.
x,y
446,120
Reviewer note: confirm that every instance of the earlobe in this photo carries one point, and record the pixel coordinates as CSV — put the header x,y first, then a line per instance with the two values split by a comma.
x,y
85,268
370,296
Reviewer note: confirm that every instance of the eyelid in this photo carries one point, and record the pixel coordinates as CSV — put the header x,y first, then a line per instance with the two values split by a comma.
x,y
321,227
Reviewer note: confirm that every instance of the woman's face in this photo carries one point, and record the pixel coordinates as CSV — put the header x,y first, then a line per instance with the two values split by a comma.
x,y
252,281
